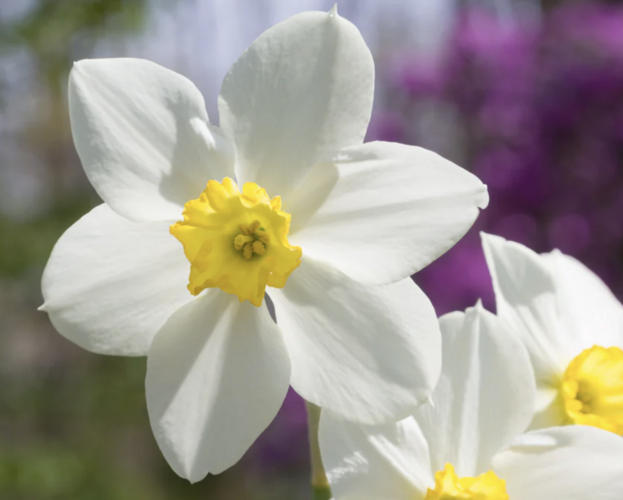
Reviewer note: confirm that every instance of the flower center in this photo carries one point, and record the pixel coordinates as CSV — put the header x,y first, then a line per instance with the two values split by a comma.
x,y
236,241
252,240
592,389
448,486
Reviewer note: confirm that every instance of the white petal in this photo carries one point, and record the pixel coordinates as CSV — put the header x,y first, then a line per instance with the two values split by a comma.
x,y
217,374
303,89
590,313
550,410
485,395
525,296
110,283
143,136
369,354
570,463
382,211
375,462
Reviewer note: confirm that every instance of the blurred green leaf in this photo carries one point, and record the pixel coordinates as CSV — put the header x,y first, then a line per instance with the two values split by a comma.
x,y
25,245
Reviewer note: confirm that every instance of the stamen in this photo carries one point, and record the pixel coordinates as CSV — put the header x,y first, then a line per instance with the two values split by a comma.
x,y
247,251
263,237
251,240
240,240
259,248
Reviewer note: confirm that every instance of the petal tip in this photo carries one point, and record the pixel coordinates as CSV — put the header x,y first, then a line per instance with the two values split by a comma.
x,y
488,238
42,308
77,65
77,72
484,202
333,12
194,478
488,242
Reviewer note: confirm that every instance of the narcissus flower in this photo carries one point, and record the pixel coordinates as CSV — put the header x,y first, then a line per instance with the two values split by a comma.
x,y
467,443
199,220
571,325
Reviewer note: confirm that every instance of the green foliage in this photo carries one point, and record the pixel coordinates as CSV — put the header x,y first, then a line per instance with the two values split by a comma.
x,y
56,32
57,472
27,245
74,425
51,26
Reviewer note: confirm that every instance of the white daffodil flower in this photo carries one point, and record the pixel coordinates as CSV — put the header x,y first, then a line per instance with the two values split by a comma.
x,y
175,270
467,443
572,327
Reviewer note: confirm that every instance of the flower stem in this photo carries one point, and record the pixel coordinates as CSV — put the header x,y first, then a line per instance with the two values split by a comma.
x,y
321,493
319,483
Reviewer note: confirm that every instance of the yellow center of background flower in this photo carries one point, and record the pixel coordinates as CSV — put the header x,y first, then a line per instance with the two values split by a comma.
x,y
236,241
592,389
448,486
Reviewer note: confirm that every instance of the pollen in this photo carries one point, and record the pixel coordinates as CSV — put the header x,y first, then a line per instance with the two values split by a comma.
x,y
258,248
236,241
592,389
252,240
448,486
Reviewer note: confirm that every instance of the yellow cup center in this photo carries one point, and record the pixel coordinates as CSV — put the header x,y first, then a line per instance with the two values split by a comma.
x,y
236,241
448,486
592,389
251,240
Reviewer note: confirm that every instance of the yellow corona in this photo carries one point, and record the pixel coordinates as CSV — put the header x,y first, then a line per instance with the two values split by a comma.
x,y
592,389
448,486
236,241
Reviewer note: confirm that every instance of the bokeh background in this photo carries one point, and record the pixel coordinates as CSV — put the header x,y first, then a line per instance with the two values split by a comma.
x,y
527,94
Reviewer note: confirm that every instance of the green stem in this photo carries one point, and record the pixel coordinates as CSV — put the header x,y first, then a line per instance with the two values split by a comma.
x,y
323,493
319,483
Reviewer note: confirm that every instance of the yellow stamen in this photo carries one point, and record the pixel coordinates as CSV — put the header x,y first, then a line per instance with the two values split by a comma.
x,y
259,248
592,389
254,226
448,486
263,237
236,241
240,240
251,240
247,251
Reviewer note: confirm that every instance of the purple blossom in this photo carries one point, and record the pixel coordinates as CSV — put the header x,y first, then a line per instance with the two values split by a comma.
x,y
541,108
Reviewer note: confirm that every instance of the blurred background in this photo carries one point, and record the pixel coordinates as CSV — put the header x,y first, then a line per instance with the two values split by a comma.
x,y
527,94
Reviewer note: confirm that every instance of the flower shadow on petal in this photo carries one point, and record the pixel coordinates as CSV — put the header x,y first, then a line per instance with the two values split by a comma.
x,y
218,153
306,200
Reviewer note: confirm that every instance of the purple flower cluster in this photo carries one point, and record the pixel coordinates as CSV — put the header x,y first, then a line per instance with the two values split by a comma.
x,y
540,106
